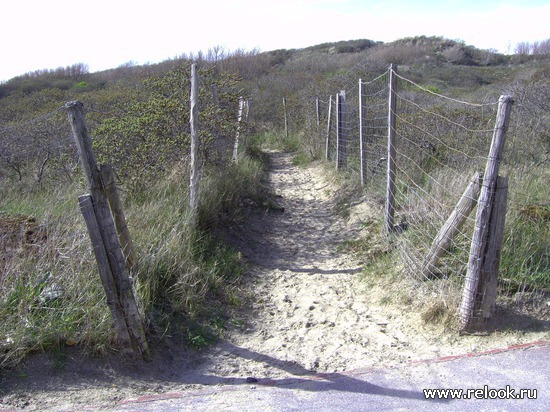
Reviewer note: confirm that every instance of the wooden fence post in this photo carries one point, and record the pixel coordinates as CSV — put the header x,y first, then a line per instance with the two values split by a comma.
x,y
194,162
286,117
341,149
454,223
362,134
329,124
125,299
391,169
483,215
489,272
87,209
109,184
237,134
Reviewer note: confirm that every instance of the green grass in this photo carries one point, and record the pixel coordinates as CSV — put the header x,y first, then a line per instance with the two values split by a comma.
x,y
526,249
185,274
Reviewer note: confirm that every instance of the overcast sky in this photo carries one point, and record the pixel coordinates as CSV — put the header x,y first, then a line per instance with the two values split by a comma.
x,y
46,34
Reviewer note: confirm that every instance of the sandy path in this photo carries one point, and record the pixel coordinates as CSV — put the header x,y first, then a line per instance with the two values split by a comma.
x,y
307,311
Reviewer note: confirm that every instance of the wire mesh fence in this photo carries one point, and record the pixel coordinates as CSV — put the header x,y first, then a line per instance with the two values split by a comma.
x,y
442,147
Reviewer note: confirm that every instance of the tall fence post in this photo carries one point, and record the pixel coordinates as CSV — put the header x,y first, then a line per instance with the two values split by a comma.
x,y
391,169
237,134
341,149
102,231
286,117
194,163
329,124
362,134
483,215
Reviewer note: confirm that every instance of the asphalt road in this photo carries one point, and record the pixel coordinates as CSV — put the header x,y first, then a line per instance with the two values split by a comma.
x,y
491,378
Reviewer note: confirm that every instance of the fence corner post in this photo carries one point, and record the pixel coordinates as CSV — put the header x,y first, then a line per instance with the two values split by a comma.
x,y
469,303
389,212
194,162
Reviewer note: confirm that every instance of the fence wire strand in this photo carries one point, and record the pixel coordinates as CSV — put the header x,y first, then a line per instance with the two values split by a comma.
x,y
441,142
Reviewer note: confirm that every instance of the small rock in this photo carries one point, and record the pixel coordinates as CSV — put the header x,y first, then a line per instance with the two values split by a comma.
x,y
250,379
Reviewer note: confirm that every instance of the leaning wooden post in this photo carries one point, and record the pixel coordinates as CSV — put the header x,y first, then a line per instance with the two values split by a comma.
x,y
194,162
108,180
341,152
489,272
329,124
483,215
362,134
124,292
452,226
238,133
106,275
286,118
391,168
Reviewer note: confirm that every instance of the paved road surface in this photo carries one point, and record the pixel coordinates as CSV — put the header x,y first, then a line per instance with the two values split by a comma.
x,y
494,373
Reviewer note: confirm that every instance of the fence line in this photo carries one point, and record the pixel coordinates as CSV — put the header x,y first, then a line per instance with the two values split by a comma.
x,y
101,208
430,145
106,244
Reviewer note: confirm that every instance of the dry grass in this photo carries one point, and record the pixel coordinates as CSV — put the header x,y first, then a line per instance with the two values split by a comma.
x,y
50,291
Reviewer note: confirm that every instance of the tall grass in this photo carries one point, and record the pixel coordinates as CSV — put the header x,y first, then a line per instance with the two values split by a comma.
x,y
50,290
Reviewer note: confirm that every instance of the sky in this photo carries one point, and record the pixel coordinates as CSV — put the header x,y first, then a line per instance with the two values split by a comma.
x,y
104,34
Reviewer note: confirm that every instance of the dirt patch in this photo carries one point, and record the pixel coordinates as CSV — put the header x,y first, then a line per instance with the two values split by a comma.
x,y
306,309
20,237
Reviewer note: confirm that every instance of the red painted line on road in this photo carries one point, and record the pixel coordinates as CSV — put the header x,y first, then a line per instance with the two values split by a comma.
x,y
540,343
322,376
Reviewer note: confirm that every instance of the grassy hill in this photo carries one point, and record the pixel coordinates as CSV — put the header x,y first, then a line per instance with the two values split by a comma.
x,y
138,116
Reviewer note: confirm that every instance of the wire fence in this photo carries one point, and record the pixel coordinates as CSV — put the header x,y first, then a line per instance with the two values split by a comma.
x,y
442,146
37,149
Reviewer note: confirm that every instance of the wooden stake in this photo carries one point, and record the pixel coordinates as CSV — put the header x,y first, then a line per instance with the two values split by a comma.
x,y
362,134
194,162
108,180
286,118
486,198
452,226
107,280
341,152
489,272
391,169
106,227
329,124
237,135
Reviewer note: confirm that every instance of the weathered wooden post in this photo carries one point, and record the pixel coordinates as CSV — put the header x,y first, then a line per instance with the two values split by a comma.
x,y
362,133
391,169
483,215
452,226
105,273
286,117
194,162
329,124
109,184
341,147
489,272
124,305
237,134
